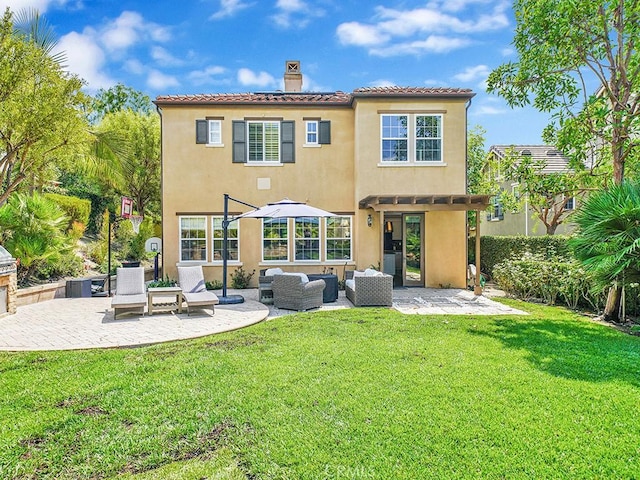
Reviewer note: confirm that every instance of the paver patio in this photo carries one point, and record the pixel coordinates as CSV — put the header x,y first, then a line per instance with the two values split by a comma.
x,y
82,323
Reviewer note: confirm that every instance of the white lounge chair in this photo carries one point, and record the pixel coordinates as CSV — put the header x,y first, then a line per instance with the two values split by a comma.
x,y
130,296
194,290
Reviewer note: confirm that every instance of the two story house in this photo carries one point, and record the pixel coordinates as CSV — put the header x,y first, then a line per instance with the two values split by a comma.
x,y
389,162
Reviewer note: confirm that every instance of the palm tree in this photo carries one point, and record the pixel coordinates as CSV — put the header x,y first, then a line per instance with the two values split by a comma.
x,y
607,241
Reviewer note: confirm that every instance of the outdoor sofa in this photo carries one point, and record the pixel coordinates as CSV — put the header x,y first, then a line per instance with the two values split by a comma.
x,y
369,288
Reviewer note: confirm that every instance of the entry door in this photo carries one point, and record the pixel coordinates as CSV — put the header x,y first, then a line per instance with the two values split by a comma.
x,y
412,242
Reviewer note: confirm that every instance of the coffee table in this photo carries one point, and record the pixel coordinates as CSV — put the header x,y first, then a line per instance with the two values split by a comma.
x,y
330,292
174,293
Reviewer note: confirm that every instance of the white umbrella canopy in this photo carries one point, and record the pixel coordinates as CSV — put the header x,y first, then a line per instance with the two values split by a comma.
x,y
286,209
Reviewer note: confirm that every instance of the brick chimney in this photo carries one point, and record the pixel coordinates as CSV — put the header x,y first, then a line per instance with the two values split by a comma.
x,y
292,76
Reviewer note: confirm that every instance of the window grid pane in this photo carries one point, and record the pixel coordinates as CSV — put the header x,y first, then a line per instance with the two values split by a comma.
x,y
215,132
312,132
338,238
275,244
428,138
193,239
307,238
233,251
394,138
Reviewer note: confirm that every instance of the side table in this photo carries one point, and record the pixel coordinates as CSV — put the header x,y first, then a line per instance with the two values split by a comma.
x,y
164,292
330,292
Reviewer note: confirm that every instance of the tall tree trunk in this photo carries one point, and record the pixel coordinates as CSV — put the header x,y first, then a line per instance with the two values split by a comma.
x,y
612,306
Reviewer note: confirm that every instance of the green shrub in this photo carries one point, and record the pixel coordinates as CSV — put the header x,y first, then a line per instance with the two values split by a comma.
x,y
77,209
496,249
213,285
240,278
163,282
551,281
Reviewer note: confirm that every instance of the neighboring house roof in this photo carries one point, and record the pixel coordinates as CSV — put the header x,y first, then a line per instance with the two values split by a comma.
x,y
311,98
554,160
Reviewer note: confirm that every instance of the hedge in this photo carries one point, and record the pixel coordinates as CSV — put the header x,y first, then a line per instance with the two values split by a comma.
x,y
77,209
496,249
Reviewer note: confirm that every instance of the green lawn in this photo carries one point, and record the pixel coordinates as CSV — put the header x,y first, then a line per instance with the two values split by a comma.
x,y
360,393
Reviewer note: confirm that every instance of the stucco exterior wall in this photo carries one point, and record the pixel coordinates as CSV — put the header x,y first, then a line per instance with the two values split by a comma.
x,y
333,177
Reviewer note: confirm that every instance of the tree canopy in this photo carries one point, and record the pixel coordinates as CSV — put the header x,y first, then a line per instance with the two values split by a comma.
x,y
578,60
41,110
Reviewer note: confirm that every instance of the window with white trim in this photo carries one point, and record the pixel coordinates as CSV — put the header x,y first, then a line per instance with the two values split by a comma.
x,y
233,245
411,138
215,132
338,243
263,141
275,239
570,202
311,132
496,212
193,239
307,238
394,138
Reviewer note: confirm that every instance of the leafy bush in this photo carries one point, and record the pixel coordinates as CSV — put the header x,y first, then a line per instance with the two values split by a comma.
x,y
32,228
495,249
552,281
77,209
213,285
240,278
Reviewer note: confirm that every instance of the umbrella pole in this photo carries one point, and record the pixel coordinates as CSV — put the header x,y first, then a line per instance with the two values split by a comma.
x,y
228,299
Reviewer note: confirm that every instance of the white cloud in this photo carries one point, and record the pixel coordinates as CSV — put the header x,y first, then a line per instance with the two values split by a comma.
x,y
295,13
247,77
229,8
382,83
432,44
163,57
472,74
159,81
354,33
434,28
209,75
488,110
85,58
41,5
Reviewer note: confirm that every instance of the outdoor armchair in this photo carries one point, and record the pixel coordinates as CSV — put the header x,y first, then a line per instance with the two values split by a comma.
x,y
130,296
194,290
369,288
296,292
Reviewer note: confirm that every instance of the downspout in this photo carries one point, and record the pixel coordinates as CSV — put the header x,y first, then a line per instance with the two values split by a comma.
x,y
161,253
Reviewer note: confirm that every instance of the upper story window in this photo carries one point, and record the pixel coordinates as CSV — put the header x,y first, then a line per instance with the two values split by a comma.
x,y
215,132
209,132
570,202
411,138
311,132
233,247
193,239
263,140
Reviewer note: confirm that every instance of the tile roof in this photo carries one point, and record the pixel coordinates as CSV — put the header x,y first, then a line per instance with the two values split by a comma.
x,y
309,98
414,91
294,98
554,160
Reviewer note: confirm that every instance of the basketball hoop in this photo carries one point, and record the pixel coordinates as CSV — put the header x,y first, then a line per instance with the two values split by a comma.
x,y
136,220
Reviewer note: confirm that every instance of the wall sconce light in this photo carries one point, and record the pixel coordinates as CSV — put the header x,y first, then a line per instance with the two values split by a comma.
x,y
388,226
369,220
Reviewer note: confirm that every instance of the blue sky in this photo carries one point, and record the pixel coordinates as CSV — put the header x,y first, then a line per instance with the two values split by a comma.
x,y
207,46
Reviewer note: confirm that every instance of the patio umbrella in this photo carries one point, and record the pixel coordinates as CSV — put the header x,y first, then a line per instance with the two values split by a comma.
x,y
283,209
287,209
